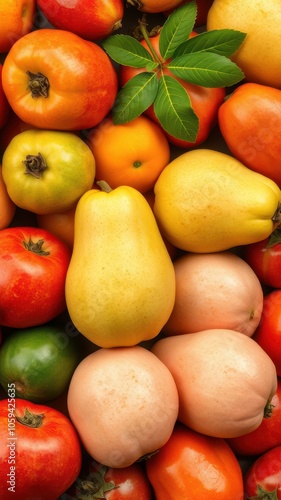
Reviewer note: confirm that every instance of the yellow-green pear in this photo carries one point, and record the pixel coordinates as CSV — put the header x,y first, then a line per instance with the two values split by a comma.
x,y
208,201
120,284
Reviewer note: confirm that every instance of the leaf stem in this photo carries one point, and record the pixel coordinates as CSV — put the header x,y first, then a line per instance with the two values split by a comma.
x,y
144,32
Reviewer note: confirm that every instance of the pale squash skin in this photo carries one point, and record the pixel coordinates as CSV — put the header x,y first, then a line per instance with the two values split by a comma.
x,y
120,284
224,380
208,201
259,56
215,290
123,403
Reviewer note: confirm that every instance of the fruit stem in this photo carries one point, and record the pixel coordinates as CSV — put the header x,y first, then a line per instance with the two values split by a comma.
x,y
277,215
38,85
144,32
268,410
31,419
35,165
104,186
35,247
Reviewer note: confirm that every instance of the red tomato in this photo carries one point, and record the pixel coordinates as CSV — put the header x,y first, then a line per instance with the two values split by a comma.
x,y
264,257
33,266
194,466
4,106
205,101
263,478
268,332
99,481
266,436
40,453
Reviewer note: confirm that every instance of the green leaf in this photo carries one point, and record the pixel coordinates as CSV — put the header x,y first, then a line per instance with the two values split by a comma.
x,y
135,97
206,69
126,50
223,42
174,111
177,28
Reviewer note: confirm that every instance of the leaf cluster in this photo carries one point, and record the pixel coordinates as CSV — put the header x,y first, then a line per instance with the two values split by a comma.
x,y
202,60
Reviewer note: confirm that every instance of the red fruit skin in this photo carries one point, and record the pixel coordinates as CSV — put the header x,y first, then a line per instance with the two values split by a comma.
x,y
92,20
205,101
266,436
4,105
264,473
268,333
265,261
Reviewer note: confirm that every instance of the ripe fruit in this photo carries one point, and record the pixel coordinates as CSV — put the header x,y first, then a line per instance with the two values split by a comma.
x,y
215,290
225,380
90,20
7,206
17,18
259,56
152,7
123,403
133,154
208,201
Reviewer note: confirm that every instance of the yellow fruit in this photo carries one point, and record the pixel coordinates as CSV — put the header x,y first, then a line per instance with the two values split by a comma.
x,y
120,284
208,201
259,56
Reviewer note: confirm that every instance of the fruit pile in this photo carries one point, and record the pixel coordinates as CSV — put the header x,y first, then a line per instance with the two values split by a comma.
x,y
140,253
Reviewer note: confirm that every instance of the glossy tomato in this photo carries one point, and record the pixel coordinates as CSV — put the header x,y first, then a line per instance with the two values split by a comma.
x,y
266,436
33,266
40,453
268,332
194,466
55,79
98,481
250,123
264,257
263,478
205,101
33,358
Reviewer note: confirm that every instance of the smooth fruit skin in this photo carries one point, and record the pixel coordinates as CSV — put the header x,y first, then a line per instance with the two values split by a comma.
x,y
268,332
4,105
124,404
208,201
68,170
250,123
225,380
91,20
203,7
53,449
266,436
194,466
259,57
263,478
40,362
82,80
16,20
265,260
215,290
120,283
132,154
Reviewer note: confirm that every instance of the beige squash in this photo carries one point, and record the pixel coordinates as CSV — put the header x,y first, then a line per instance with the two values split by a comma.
x,y
225,380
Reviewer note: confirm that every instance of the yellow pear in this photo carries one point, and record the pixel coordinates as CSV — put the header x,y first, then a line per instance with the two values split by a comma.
x,y
259,56
208,201
120,284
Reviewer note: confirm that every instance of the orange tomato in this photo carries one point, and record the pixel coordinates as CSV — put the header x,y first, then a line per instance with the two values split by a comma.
x,y
16,20
7,207
133,154
59,224
194,466
54,79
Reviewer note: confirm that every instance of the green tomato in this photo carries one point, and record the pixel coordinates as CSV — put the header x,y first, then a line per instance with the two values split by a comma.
x,y
38,362
47,171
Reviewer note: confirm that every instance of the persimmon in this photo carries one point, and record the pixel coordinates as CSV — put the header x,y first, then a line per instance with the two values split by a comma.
x,y
132,154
